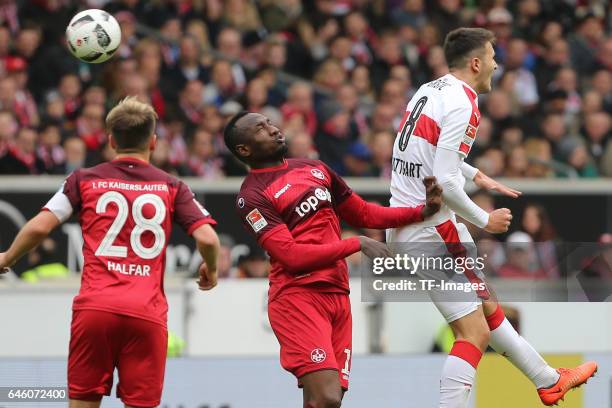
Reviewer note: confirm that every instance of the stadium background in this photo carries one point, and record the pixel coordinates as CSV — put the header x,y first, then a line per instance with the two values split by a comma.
x,y
335,76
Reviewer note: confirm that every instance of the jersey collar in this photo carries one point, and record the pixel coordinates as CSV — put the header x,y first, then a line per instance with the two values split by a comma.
x,y
130,160
281,166
474,93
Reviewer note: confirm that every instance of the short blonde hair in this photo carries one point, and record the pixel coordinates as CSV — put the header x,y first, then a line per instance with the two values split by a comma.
x,y
132,123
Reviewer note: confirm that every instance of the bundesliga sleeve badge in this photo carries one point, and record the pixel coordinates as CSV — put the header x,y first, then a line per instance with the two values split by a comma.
x,y
256,220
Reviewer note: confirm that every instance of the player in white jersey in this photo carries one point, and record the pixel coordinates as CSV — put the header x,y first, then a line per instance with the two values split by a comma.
x,y
435,137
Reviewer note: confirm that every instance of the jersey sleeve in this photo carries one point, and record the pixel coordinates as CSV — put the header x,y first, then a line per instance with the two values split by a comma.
x,y
66,200
340,191
257,213
188,212
458,130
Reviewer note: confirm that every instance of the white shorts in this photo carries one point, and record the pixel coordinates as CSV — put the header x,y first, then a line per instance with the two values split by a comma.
x,y
448,236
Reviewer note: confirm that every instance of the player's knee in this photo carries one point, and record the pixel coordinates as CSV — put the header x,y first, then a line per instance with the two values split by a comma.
x,y
480,338
325,400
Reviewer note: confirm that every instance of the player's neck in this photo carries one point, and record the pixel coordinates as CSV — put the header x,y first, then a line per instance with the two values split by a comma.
x,y
465,77
146,157
266,165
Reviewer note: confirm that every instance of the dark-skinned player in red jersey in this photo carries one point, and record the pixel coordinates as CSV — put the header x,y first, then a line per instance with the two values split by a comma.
x,y
126,208
293,208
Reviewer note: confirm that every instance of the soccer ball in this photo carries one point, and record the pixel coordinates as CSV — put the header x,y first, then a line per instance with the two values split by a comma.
x,y
93,36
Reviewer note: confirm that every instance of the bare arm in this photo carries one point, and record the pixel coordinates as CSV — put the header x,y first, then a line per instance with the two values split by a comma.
x,y
207,242
29,237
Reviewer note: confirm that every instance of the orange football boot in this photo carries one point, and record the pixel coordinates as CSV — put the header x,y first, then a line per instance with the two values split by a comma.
x,y
569,378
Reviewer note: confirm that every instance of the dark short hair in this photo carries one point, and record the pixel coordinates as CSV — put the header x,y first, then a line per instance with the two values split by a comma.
x,y
460,43
231,133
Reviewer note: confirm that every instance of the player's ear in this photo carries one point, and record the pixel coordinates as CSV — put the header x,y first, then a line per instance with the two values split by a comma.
x,y
153,142
243,150
475,63
111,141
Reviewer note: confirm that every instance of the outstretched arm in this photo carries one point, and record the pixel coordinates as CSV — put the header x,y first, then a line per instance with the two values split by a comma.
x,y
361,214
485,182
447,165
29,237
299,258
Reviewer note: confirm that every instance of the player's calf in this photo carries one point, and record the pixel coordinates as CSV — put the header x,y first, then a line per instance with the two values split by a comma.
x,y
322,389
473,328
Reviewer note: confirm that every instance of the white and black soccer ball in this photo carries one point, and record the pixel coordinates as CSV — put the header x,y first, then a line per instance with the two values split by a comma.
x,y
93,36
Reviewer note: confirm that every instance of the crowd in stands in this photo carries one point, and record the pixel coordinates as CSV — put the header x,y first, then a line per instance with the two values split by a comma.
x,y
334,75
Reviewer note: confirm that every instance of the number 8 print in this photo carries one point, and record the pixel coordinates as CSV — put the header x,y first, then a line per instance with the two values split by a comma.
x,y
410,123
143,224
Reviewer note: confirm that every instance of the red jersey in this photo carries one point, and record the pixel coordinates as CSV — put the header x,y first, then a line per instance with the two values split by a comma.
x,y
126,209
303,195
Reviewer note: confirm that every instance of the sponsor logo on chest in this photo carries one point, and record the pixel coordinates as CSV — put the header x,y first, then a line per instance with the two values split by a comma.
x,y
313,201
282,190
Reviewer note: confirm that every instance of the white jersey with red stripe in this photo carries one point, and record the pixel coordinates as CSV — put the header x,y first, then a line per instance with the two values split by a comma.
x,y
443,113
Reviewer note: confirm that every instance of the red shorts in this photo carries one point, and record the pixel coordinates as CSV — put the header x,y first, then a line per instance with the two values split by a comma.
x,y
102,341
314,330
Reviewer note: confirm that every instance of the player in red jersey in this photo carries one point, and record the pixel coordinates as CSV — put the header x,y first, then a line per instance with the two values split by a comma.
x,y
293,208
126,208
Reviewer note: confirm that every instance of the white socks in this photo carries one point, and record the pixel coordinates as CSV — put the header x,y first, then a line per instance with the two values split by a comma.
x,y
507,342
458,375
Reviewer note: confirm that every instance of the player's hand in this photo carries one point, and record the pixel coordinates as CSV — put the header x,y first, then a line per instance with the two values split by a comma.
x,y
433,197
374,249
208,278
4,266
485,182
499,221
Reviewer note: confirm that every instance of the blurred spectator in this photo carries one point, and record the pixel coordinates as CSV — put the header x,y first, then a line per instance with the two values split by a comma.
x,y
70,91
241,14
8,130
50,150
602,84
75,152
600,266
525,88
253,265
203,161
188,66
300,106
553,88
554,58
256,95
357,160
597,127
90,126
20,156
540,158
536,223
573,151
516,162
334,135
584,43
381,146
229,44
222,88
301,146
521,261
191,102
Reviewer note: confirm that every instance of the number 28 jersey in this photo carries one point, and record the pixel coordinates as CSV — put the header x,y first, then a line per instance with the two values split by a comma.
x,y
126,209
442,114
